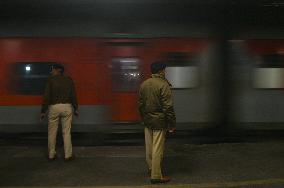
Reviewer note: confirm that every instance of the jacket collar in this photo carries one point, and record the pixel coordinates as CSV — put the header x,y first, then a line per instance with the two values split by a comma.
x,y
162,77
158,76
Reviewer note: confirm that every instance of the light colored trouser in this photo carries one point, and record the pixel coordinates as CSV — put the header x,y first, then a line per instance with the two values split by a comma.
x,y
57,112
155,143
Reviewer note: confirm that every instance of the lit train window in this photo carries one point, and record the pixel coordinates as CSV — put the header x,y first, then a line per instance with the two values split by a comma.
x,y
30,77
125,74
269,72
182,70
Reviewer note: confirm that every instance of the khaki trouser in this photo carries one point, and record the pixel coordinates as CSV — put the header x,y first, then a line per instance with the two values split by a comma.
x,y
155,143
57,112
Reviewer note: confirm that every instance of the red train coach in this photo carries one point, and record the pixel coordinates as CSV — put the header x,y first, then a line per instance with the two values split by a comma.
x,y
107,74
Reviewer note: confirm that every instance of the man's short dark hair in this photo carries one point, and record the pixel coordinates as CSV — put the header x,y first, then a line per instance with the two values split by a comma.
x,y
58,67
157,67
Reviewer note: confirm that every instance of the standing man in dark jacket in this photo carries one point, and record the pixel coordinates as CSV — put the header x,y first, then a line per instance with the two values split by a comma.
x,y
157,113
59,97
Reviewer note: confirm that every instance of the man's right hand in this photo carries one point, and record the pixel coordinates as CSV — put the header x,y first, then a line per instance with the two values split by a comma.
x,y
172,130
42,116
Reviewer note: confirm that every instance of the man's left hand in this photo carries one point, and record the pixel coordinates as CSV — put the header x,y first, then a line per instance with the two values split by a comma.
x,y
76,113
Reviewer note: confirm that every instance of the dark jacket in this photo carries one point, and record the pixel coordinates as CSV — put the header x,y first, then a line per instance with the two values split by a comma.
x,y
156,104
59,89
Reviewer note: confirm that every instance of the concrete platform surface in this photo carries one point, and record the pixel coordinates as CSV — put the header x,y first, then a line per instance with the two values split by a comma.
x,y
197,166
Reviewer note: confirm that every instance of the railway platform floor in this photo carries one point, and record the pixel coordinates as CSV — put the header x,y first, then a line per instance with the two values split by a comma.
x,y
259,164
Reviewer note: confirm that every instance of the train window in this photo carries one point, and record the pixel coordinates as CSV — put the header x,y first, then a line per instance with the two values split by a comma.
x,y
269,72
182,71
29,78
270,61
125,74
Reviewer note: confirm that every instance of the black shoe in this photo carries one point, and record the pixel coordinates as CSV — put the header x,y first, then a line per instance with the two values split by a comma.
x,y
52,158
69,159
163,180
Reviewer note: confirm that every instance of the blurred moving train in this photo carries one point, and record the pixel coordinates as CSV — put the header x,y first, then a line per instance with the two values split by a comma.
x,y
107,73
257,68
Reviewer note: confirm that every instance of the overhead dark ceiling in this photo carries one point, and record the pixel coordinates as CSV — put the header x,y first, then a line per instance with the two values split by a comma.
x,y
245,12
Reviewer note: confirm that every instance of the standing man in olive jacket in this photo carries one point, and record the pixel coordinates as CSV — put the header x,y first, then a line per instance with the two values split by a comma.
x,y
59,97
157,113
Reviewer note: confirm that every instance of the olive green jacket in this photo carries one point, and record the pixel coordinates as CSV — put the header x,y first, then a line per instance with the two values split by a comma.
x,y
156,104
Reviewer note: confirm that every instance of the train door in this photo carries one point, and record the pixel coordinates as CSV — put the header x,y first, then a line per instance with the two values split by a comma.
x,y
125,62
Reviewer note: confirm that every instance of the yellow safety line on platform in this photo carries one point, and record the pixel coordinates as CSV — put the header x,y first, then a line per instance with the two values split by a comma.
x,y
197,185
